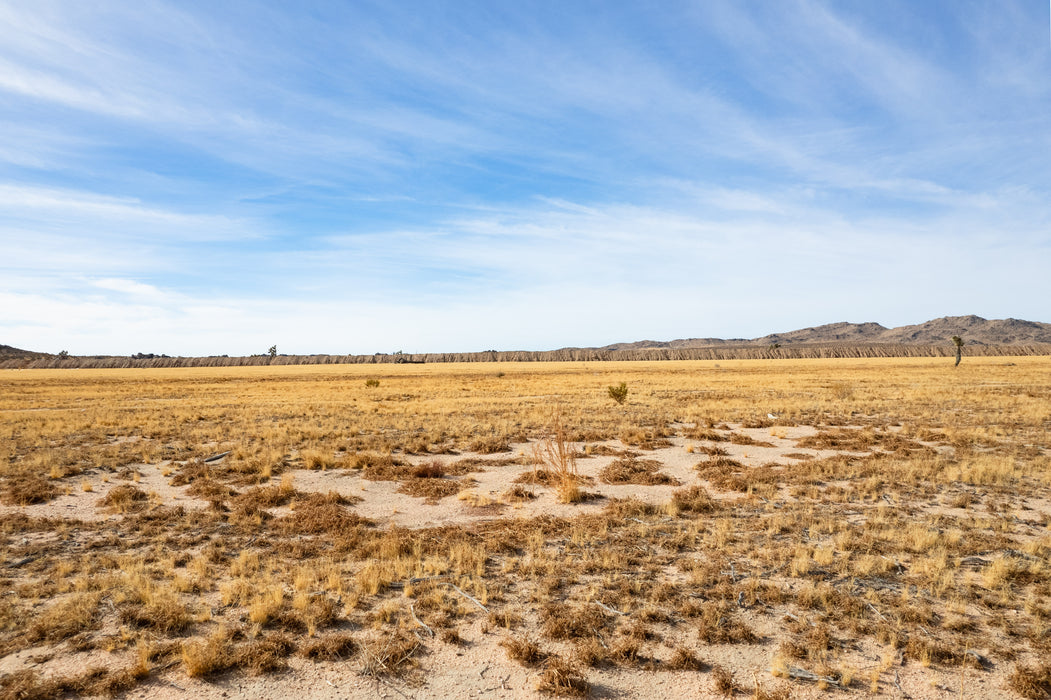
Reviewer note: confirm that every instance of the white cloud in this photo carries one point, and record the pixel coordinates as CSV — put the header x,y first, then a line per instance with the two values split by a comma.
x,y
90,217
129,287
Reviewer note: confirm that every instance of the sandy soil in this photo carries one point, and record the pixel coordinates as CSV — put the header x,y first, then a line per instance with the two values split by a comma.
x,y
480,668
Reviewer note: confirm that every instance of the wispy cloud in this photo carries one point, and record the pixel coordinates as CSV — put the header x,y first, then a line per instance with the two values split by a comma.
x,y
129,287
55,209
224,176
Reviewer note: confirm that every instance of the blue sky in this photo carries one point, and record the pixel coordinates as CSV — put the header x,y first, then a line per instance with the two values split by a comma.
x,y
210,178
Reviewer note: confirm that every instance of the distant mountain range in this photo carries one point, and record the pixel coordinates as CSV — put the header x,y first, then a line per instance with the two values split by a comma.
x,y
974,330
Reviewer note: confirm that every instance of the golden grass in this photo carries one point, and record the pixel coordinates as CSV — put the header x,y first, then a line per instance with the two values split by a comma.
x,y
925,534
114,414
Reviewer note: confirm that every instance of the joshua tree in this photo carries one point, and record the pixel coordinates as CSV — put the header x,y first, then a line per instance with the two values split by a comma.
x,y
958,342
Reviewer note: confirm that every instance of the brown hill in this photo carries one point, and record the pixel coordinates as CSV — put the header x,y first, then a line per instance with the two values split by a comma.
x,y
9,353
974,330
851,333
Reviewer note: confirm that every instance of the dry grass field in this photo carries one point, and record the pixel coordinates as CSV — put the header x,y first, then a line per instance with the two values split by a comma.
x,y
759,528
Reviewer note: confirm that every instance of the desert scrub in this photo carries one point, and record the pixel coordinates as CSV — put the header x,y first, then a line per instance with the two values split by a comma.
x,y
859,546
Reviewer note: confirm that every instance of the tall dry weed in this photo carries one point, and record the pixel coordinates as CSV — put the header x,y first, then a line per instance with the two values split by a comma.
x,y
555,453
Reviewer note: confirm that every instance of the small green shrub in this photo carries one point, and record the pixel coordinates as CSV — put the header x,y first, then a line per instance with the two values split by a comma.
x,y
372,383
619,393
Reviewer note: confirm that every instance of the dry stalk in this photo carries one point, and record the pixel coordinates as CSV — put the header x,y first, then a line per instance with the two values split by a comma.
x,y
555,453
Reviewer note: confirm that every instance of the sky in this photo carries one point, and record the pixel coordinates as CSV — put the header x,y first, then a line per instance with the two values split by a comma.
x,y
201,178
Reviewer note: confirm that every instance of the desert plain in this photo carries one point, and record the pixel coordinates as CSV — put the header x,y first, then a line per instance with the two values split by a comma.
x,y
753,528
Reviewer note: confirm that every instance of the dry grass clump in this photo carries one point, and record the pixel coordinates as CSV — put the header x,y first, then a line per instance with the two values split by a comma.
x,y
730,475
710,450
813,644
683,659
518,494
392,654
725,473
27,684
604,451
161,611
941,650
70,616
429,470
694,500
652,439
622,508
376,466
25,490
265,497
124,499
265,654
209,490
338,646
563,679
701,432
864,440
645,472
191,472
525,651
489,445
623,651
205,657
546,477
481,464
718,624
723,681
227,649
319,459
743,439
717,465
563,621
1031,682
433,489
323,514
